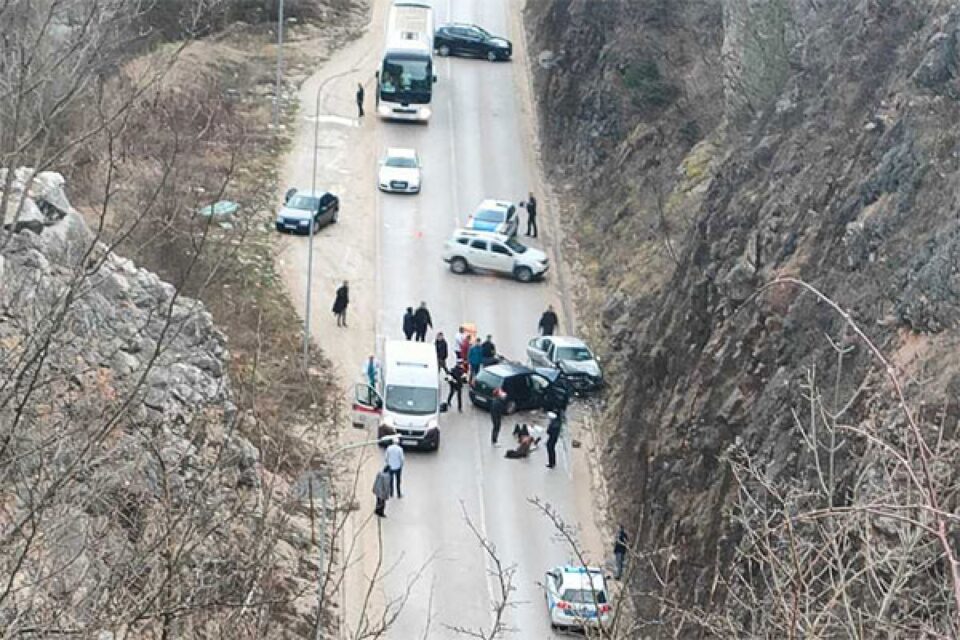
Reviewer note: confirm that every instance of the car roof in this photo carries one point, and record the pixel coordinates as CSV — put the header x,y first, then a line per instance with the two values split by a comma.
x,y
490,203
505,369
476,233
310,194
458,24
574,577
400,152
567,341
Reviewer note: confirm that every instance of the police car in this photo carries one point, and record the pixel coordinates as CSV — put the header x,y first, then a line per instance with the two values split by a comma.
x,y
577,597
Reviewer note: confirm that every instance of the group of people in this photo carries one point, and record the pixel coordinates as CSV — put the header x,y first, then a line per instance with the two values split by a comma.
x,y
416,323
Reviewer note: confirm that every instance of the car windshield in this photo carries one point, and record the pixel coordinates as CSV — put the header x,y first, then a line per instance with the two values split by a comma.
x,y
401,162
406,76
488,215
584,596
578,354
307,203
515,246
484,33
418,401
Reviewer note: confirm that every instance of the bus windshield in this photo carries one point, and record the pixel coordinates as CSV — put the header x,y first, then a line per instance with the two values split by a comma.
x,y
417,401
406,79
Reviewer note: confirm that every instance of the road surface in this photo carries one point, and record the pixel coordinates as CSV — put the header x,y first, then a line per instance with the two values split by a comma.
x,y
476,146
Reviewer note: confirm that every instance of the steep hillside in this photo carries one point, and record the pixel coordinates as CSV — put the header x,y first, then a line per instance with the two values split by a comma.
x,y
776,484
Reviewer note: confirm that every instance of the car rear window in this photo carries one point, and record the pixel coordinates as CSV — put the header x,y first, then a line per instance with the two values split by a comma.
x,y
584,596
487,380
488,215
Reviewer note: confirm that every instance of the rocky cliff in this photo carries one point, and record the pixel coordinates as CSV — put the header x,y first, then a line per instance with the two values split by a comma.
x,y
766,192
131,505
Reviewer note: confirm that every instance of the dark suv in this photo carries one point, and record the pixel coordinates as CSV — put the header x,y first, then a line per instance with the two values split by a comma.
x,y
526,388
471,40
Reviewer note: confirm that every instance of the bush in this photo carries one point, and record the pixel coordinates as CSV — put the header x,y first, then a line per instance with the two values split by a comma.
x,y
647,87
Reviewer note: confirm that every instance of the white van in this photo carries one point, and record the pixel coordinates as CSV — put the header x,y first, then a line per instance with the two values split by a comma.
x,y
407,402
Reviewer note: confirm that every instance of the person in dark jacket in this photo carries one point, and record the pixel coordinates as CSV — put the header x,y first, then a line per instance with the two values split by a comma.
x,y
531,205
553,434
421,322
620,550
408,324
359,100
475,359
498,406
456,378
489,351
440,343
548,321
340,304
382,488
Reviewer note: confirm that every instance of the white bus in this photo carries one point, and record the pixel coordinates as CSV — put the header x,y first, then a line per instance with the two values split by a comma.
x,y
405,78
407,400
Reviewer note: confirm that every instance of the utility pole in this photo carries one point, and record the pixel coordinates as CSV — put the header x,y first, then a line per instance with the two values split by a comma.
x,y
276,93
313,192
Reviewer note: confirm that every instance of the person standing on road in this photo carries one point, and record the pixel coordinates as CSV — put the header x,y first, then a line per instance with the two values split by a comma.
x,y
475,359
463,351
553,434
442,350
340,304
531,205
393,458
498,406
458,342
489,351
548,321
359,100
371,369
408,326
620,550
455,378
421,322
381,489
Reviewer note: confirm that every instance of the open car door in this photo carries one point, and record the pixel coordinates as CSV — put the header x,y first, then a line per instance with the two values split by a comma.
x,y
367,407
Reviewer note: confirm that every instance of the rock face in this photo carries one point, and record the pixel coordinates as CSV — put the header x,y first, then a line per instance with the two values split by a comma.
x,y
724,146
121,472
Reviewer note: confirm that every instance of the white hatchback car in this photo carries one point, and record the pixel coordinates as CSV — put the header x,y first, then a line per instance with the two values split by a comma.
x,y
577,597
470,250
399,171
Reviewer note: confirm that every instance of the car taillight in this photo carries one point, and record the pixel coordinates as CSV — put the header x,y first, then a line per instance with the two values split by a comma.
x,y
605,608
562,604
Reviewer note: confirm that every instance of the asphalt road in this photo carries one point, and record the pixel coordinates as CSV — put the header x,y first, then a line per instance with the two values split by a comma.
x,y
474,147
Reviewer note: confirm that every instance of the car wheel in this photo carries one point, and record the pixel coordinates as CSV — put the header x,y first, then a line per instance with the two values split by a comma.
x,y
492,56
459,265
510,408
524,274
444,50
436,444
316,226
336,216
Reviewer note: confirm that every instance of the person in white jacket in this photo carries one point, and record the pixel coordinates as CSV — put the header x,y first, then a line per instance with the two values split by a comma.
x,y
393,457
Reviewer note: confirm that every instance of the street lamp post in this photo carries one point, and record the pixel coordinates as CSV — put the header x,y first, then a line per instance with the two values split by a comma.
x,y
313,191
318,632
276,93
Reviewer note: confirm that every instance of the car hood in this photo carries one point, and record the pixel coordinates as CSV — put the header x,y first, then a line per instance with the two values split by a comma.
x,y
293,214
588,367
500,43
533,254
402,174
